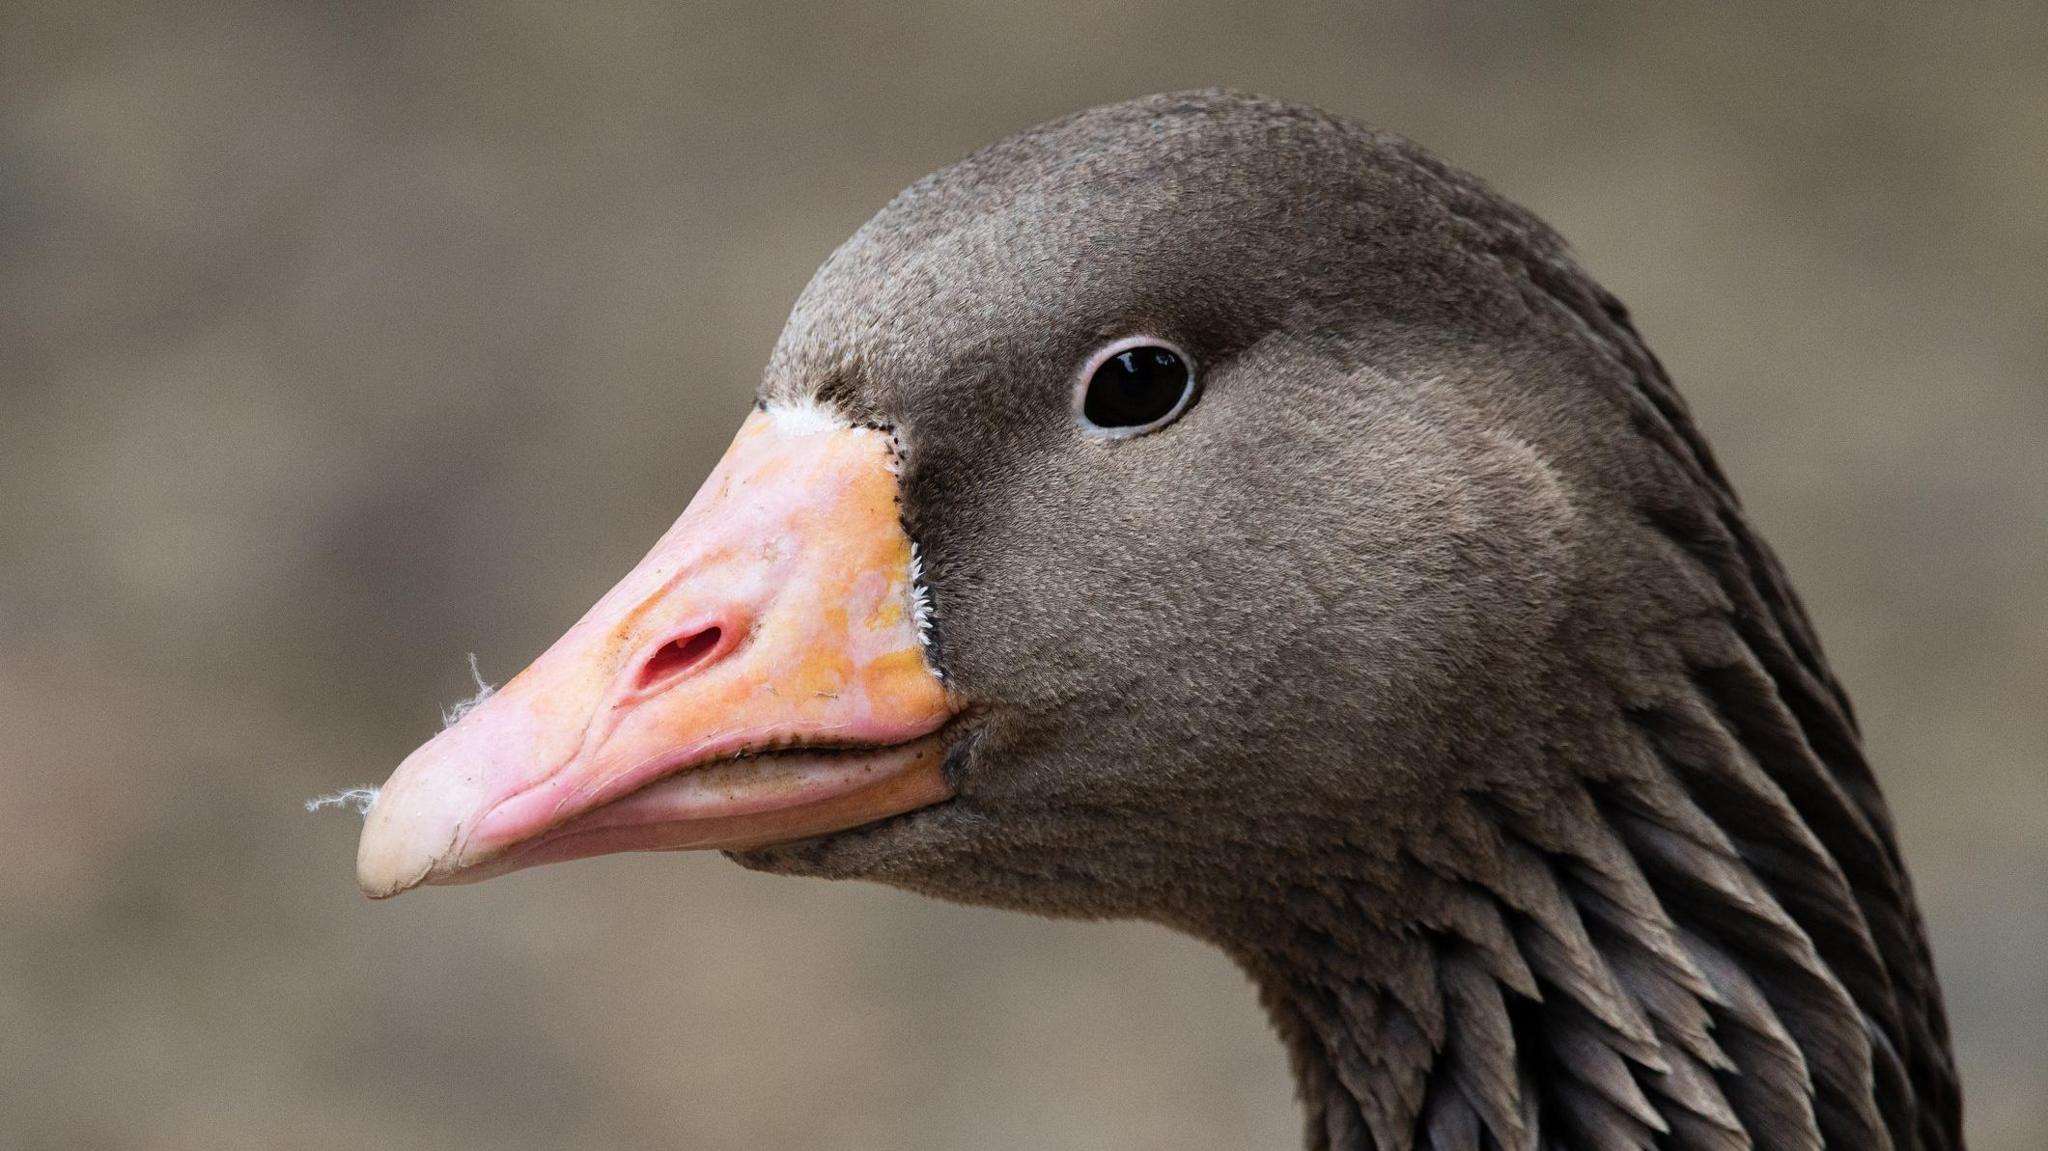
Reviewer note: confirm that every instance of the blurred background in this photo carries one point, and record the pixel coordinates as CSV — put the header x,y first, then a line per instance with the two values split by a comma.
x,y
338,341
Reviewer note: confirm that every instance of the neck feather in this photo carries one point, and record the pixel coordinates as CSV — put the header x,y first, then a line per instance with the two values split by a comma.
x,y
1702,941
1702,938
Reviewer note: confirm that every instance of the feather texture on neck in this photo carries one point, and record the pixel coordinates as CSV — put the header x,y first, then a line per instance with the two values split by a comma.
x,y
1705,938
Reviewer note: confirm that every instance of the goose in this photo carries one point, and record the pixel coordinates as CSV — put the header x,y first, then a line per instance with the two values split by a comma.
x,y
1208,510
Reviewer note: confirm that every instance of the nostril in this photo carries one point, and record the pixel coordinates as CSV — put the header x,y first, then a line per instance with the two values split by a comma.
x,y
678,656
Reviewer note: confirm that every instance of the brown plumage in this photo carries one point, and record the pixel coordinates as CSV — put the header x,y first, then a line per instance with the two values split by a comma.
x,y
1425,664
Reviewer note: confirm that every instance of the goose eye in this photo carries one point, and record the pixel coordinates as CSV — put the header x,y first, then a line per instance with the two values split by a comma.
x,y
1134,386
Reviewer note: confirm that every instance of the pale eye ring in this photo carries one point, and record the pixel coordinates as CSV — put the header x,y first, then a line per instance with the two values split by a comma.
x,y
1135,385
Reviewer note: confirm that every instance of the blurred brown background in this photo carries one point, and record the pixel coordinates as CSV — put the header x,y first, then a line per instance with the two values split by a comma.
x,y
338,341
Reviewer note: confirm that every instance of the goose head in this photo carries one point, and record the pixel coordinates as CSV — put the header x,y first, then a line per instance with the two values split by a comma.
x,y
1207,510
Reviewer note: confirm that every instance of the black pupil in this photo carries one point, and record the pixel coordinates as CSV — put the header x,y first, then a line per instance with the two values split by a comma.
x,y
1135,387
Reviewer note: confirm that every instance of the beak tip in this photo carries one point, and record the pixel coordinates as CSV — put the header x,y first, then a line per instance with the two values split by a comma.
x,y
380,880
389,862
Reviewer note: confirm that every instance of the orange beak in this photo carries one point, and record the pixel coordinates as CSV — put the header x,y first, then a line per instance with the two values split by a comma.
x,y
758,678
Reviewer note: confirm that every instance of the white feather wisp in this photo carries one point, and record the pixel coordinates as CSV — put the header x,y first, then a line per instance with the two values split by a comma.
x,y
361,798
